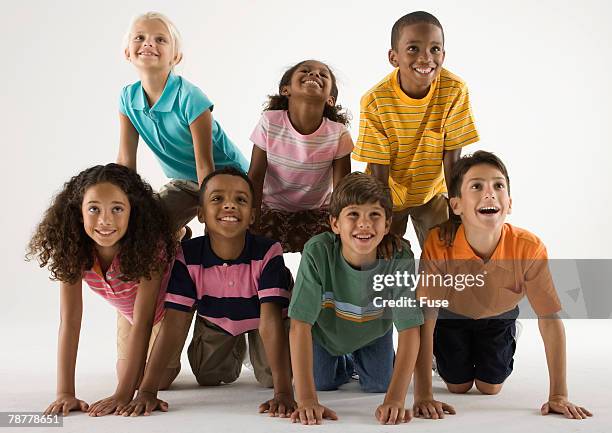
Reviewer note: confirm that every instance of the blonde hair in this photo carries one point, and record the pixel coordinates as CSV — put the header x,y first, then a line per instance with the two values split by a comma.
x,y
175,36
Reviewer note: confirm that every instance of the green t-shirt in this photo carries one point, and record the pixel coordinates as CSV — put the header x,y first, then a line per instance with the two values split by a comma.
x,y
341,303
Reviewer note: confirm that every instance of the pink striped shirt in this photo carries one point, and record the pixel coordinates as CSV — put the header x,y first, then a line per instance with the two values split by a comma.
x,y
121,294
299,175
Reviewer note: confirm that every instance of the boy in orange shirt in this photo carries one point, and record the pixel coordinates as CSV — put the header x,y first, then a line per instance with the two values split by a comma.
x,y
479,281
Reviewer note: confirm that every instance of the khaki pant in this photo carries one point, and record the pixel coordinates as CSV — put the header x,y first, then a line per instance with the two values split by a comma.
x,y
180,199
423,217
216,357
123,332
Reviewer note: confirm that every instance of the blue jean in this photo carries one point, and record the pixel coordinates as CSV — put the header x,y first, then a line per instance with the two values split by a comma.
x,y
373,363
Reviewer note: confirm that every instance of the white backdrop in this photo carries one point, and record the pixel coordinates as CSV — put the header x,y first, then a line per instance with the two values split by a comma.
x,y
538,74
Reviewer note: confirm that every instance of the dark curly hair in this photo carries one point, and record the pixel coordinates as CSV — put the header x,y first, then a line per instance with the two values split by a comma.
x,y
281,102
60,240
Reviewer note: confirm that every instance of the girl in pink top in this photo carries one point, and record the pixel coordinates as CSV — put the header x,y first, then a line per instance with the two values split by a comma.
x,y
301,151
106,227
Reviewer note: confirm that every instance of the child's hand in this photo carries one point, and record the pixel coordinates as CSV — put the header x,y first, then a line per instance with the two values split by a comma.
x,y
144,403
64,404
312,413
559,404
282,405
390,244
431,409
392,413
448,230
113,404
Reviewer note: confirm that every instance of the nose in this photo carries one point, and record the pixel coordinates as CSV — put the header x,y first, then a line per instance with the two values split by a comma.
x,y
489,191
105,218
425,56
363,222
229,204
315,73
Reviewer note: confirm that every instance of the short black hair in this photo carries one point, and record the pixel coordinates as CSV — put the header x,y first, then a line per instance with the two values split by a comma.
x,y
230,170
359,188
462,166
413,18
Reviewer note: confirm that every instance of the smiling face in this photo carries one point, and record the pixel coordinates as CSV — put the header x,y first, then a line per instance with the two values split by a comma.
x,y
419,56
227,206
106,214
484,201
311,79
150,46
361,228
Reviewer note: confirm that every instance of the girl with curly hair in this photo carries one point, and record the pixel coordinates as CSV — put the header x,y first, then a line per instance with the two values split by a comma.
x,y
301,151
107,228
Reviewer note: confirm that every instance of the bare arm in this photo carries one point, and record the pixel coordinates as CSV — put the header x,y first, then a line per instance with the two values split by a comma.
x,y
201,131
553,336
71,313
137,345
128,143
257,174
450,157
380,172
309,410
340,168
276,345
392,410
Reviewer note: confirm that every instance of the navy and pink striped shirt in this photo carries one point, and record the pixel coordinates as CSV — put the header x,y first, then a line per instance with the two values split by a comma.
x,y
228,293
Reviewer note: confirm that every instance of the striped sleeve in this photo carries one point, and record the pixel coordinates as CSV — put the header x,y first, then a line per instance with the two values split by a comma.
x,y
345,144
181,293
259,136
275,280
373,144
459,126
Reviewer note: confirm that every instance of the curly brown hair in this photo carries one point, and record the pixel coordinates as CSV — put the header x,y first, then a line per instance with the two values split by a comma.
x,y
281,102
61,243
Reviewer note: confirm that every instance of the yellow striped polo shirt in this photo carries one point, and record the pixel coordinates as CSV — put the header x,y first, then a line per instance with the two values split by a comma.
x,y
411,135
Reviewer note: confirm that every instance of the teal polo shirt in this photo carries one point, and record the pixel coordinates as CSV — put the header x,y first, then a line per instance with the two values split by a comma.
x,y
165,127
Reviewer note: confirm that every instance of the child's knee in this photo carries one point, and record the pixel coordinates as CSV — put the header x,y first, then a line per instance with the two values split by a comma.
x,y
488,388
459,388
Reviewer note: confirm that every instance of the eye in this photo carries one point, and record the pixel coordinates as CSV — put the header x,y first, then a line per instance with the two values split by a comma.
x,y
242,200
215,198
117,209
138,37
92,209
436,50
412,49
374,214
476,186
353,214
500,185
160,40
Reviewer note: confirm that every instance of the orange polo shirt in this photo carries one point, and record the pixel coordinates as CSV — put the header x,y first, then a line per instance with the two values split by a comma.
x,y
473,288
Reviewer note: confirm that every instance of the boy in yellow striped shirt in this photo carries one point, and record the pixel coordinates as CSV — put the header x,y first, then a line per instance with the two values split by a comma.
x,y
414,123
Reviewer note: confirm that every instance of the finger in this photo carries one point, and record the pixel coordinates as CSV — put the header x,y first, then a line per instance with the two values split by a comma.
x,y
311,416
273,409
581,412
433,411
330,414
574,412
281,410
400,415
586,411
545,410
303,417
384,415
66,409
424,411
55,408
264,407
163,405
407,415
83,406
439,407
393,415
565,411
137,409
295,416
49,409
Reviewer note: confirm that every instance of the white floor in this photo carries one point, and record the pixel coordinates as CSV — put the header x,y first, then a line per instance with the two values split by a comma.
x,y
28,384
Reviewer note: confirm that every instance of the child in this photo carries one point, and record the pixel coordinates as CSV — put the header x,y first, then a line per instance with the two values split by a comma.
x,y
172,116
414,123
337,328
301,151
238,284
474,337
107,228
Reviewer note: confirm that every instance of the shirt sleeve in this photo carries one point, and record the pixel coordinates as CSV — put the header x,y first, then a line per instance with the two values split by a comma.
x,y
123,98
195,103
181,293
308,290
275,280
345,144
406,316
459,127
431,270
259,136
372,144
539,286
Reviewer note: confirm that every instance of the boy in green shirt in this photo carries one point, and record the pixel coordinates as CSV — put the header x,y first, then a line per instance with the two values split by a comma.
x,y
341,320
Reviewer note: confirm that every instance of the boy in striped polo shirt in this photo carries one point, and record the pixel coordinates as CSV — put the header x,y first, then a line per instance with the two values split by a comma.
x,y
414,123
340,324
238,284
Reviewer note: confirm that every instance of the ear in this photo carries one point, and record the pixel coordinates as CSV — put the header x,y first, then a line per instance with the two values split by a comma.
x,y
393,58
252,217
510,207
387,226
331,101
455,204
127,54
443,56
284,91
333,222
201,214
177,59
